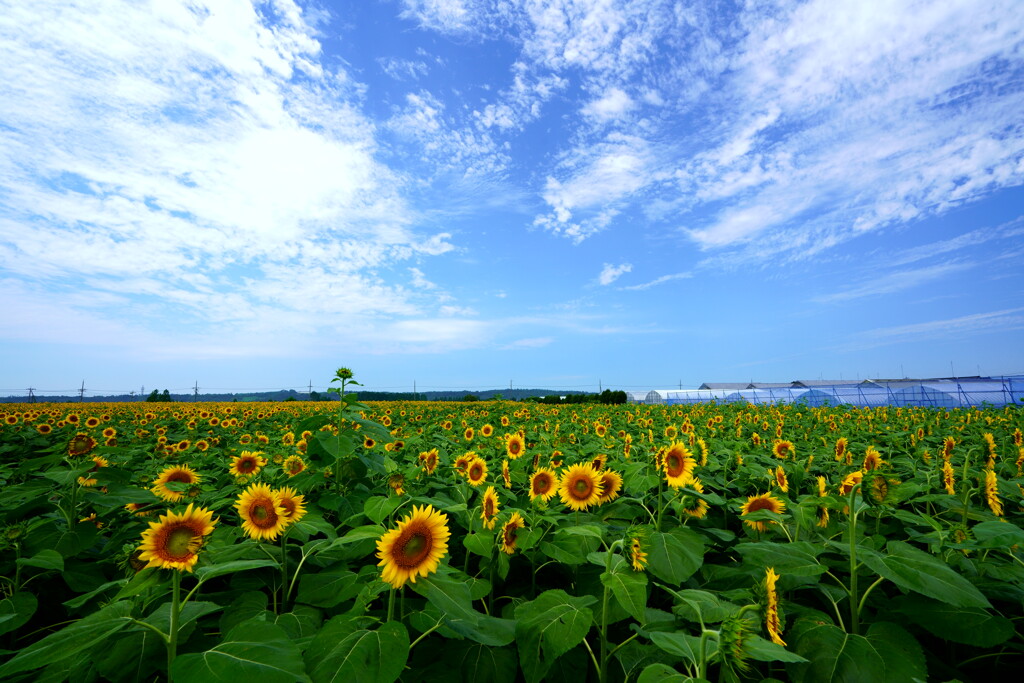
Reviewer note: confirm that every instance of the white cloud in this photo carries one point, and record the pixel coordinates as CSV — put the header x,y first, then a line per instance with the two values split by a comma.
x,y
963,326
402,69
613,104
531,343
659,281
442,15
895,281
610,273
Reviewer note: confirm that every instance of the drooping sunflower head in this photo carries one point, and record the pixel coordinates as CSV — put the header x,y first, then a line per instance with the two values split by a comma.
x,y
692,506
755,439
429,460
476,472
263,518
247,464
293,504
515,446
599,461
947,447
764,501
772,622
181,474
489,507
543,484
510,532
611,484
840,449
174,541
992,493
850,481
293,465
415,547
637,556
506,475
80,444
580,487
679,465
872,459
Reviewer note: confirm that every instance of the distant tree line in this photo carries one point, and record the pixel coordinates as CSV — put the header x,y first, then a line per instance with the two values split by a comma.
x,y
607,397
156,397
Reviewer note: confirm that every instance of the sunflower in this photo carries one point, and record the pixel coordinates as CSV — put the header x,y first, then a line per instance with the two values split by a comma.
x,y
293,465
504,421
580,487
415,547
397,483
780,479
510,531
543,484
599,461
247,464
487,430
703,446
369,443
175,540
872,459
476,472
755,439
44,428
202,445
772,622
1018,437
468,434
462,462
611,484
679,465
109,432
992,493
783,449
506,476
263,518
515,445
849,481
840,449
489,507
600,429
822,511
293,504
765,501
692,506
288,439
947,448
137,509
182,474
429,460
637,556
671,432
98,462
80,444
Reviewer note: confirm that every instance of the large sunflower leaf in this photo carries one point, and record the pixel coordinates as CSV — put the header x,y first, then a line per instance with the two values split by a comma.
x,y
345,652
794,559
887,654
214,570
675,556
16,610
916,570
253,650
482,663
968,625
630,589
80,636
548,627
663,673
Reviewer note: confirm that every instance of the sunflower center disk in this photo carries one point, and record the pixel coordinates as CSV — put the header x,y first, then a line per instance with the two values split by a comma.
x,y
260,512
582,487
415,548
179,542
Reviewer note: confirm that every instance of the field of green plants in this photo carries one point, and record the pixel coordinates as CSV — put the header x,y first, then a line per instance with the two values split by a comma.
x,y
501,541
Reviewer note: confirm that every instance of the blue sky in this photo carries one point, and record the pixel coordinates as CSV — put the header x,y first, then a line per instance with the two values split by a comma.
x,y
468,193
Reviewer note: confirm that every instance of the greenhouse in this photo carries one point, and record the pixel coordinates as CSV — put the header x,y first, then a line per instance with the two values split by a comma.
x,y
942,392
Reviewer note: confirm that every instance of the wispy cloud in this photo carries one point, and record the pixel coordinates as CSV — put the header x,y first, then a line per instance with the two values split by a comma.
x,y
610,273
890,282
963,326
658,281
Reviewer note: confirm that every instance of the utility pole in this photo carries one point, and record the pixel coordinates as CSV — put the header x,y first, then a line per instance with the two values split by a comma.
x,y
680,385
599,387
81,392
195,396
310,390
31,395
142,391
131,394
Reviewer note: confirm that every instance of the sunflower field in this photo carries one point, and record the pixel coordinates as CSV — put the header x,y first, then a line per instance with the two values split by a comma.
x,y
501,541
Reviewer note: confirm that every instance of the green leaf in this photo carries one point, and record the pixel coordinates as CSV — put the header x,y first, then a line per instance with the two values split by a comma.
x,y
675,556
454,599
697,605
16,610
683,645
630,589
370,532
377,508
967,625
835,656
344,653
328,588
663,673
253,650
916,570
795,559
214,570
762,650
80,636
998,534
548,627
570,549
44,559
592,530
161,616
482,663
903,657
479,543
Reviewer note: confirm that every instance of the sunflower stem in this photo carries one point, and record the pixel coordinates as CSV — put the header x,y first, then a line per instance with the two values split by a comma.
x,y
284,570
391,604
854,607
172,640
494,568
594,660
